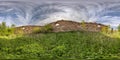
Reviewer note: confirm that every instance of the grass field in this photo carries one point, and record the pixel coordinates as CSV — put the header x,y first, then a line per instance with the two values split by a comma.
x,y
64,45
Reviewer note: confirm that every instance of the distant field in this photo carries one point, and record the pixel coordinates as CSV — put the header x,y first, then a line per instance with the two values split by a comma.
x,y
64,45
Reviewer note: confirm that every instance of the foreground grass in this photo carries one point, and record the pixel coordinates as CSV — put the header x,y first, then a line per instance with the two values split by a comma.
x,y
67,45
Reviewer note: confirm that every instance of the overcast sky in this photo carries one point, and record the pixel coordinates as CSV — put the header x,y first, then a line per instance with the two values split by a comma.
x,y
40,12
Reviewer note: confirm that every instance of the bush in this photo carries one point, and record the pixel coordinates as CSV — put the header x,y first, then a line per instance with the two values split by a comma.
x,y
37,30
47,28
59,51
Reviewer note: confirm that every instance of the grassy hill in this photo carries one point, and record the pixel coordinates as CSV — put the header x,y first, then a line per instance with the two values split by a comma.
x,y
64,45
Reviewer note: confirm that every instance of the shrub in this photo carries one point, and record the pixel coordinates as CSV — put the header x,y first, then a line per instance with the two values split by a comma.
x,y
36,30
83,24
105,29
59,50
47,28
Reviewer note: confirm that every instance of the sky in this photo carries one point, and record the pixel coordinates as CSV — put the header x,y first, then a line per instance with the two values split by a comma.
x,y
41,12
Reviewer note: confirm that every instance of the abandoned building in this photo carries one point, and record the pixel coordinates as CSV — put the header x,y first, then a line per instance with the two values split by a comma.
x,y
64,25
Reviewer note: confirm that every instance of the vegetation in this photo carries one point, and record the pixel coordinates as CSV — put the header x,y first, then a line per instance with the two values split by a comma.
x,y
119,28
83,25
46,28
64,45
105,29
37,30
6,30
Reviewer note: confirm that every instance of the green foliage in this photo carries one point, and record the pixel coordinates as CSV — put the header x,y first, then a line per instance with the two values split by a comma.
x,y
119,28
12,25
105,29
63,46
30,49
5,30
20,32
83,24
37,30
3,25
47,28
44,29
59,51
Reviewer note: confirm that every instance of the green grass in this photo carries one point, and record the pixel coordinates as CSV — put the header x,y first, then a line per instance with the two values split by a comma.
x,y
115,34
64,45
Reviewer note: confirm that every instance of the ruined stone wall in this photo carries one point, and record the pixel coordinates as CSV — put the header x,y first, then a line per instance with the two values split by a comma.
x,y
63,26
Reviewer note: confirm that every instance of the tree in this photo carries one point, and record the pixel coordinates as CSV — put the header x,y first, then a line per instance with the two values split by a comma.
x,y
12,25
4,24
5,30
109,29
119,27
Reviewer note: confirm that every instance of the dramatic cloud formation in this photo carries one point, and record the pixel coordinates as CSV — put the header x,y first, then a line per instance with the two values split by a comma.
x,y
40,12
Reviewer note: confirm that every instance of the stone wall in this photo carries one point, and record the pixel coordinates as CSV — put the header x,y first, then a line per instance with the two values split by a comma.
x,y
63,26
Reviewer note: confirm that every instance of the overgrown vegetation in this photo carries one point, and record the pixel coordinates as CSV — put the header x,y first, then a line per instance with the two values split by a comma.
x,y
64,45
6,30
46,28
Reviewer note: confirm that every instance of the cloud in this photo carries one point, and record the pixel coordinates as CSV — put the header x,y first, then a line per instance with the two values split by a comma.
x,y
40,12
110,20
